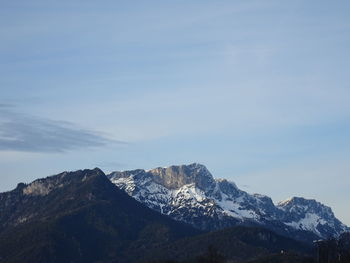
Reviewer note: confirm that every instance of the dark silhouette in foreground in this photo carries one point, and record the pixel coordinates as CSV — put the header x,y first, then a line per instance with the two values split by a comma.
x,y
334,250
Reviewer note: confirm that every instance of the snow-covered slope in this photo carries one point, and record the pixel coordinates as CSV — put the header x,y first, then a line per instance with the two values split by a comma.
x,y
311,215
189,193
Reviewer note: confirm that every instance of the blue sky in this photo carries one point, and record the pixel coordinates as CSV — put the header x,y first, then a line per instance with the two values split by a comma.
x,y
258,91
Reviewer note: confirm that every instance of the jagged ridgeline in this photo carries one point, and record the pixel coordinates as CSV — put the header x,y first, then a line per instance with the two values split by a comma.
x,y
190,194
83,217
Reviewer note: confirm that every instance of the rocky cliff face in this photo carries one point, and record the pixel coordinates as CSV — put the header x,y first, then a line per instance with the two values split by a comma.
x,y
175,177
189,193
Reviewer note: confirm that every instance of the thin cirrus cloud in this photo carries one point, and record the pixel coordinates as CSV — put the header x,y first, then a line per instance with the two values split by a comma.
x,y
26,133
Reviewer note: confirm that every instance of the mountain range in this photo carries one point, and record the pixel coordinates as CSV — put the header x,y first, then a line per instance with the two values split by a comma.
x,y
190,194
152,216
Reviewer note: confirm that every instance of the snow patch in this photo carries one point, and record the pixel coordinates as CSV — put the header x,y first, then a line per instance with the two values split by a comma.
x,y
309,222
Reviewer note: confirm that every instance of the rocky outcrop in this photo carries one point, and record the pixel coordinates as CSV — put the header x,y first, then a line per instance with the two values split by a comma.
x,y
174,177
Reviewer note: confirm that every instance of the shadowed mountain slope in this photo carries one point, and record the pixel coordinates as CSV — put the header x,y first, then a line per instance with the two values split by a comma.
x,y
235,244
78,217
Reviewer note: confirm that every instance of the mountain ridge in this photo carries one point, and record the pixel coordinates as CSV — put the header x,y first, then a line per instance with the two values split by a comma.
x,y
78,217
82,216
189,193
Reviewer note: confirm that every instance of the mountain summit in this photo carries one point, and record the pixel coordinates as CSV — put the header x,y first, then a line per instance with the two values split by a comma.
x,y
189,193
79,217
310,215
174,177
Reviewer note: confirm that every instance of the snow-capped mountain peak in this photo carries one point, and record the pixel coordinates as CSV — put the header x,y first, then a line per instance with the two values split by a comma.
x,y
189,193
308,214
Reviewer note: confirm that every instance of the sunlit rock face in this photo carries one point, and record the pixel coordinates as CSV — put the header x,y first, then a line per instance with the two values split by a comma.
x,y
174,177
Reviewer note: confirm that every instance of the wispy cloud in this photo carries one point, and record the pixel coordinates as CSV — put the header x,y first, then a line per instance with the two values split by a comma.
x,y
22,132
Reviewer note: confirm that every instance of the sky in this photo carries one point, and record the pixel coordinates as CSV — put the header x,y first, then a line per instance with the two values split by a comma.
x,y
258,91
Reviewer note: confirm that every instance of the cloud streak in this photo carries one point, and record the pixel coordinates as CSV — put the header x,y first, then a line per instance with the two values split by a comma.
x,y
22,132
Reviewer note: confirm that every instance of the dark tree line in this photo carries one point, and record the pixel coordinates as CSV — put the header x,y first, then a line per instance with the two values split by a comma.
x,y
211,255
334,250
